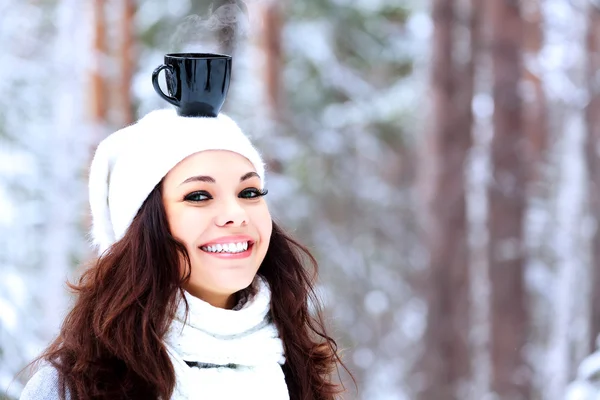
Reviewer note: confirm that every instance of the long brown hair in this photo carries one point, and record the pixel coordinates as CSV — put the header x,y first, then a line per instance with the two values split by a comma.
x,y
110,345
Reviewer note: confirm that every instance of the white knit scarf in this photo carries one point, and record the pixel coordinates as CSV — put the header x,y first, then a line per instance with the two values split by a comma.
x,y
239,353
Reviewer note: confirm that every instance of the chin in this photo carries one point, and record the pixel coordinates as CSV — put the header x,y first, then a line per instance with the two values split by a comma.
x,y
225,285
235,285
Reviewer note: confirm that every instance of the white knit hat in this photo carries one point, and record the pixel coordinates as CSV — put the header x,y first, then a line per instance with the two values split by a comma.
x,y
129,163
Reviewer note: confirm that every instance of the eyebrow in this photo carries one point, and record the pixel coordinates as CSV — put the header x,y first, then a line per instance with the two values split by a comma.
x,y
248,176
210,179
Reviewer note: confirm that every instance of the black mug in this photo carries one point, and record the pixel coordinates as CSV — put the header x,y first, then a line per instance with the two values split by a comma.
x,y
197,82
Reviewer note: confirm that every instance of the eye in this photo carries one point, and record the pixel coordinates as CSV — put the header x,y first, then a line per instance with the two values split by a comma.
x,y
198,196
252,193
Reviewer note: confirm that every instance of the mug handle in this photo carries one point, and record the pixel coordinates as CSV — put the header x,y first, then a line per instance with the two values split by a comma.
x,y
157,88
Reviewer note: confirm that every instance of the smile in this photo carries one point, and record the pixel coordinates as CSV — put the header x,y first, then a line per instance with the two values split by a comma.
x,y
229,248
229,251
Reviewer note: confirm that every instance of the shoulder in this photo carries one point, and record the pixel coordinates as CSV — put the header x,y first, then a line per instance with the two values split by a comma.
x,y
43,385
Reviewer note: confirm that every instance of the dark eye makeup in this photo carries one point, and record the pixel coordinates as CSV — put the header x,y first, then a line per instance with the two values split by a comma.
x,y
198,196
252,193
248,193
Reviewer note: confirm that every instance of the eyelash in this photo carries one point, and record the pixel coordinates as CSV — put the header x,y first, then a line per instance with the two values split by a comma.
x,y
257,193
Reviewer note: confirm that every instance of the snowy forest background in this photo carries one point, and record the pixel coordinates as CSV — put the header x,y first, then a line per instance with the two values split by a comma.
x,y
441,159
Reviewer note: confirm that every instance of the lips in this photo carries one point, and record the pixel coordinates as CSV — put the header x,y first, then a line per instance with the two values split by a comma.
x,y
227,247
239,246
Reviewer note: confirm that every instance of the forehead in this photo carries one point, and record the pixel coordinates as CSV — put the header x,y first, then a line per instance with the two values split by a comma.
x,y
213,163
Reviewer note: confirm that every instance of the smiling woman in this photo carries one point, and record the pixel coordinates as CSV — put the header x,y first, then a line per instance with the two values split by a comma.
x,y
196,292
222,219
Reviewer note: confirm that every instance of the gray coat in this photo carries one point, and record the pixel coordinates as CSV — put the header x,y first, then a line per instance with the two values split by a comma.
x,y
43,385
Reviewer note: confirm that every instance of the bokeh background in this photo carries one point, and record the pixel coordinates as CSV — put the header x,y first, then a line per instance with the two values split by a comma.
x,y
440,158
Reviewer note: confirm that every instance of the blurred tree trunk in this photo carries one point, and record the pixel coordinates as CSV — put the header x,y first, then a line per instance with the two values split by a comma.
x,y
592,113
535,117
97,93
446,362
126,64
507,202
98,103
271,43
269,35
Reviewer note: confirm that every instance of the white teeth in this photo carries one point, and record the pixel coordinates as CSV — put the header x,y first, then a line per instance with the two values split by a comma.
x,y
227,248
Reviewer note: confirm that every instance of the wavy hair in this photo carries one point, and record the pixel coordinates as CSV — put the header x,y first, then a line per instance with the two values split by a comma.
x,y
110,345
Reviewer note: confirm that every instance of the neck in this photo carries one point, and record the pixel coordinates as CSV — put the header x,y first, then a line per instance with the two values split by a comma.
x,y
226,302
220,321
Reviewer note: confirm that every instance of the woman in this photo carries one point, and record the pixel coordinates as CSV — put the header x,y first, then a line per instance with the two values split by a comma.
x,y
197,293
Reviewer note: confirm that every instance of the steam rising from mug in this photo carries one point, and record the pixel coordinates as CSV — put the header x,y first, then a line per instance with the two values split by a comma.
x,y
197,82
221,30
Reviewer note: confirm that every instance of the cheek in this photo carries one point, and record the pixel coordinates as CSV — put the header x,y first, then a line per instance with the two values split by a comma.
x,y
264,224
187,225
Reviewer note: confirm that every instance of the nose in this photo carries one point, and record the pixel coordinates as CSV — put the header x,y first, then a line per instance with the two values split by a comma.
x,y
231,213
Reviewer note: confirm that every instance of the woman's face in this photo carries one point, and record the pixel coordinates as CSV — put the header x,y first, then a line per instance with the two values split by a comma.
x,y
215,207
